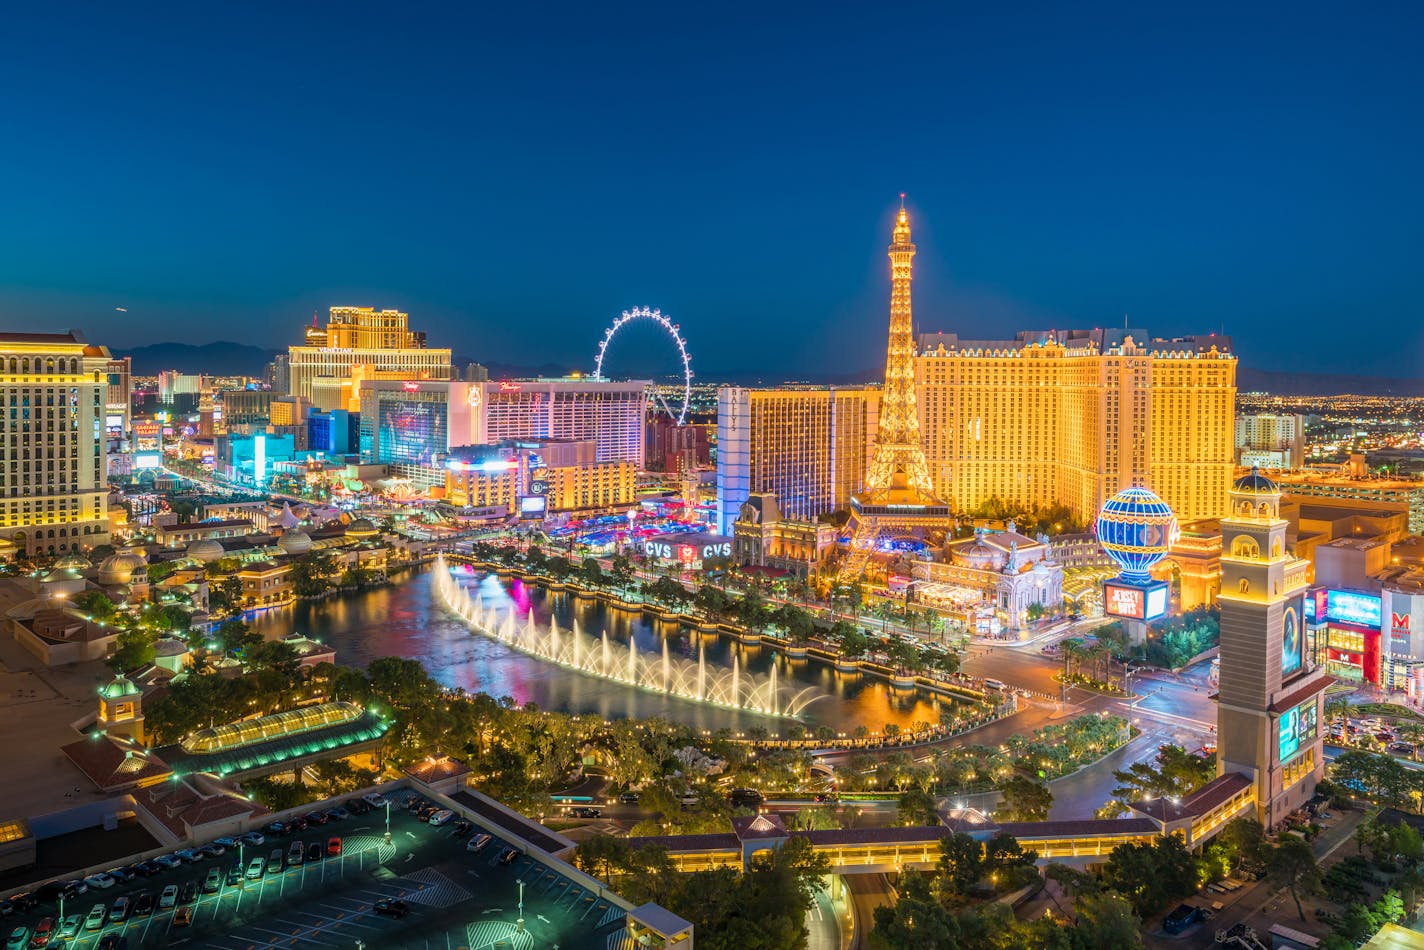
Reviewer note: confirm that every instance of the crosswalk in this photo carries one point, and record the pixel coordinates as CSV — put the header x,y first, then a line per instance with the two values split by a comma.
x,y
497,935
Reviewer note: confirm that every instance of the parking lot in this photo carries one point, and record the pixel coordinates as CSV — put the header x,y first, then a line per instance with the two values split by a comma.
x,y
453,897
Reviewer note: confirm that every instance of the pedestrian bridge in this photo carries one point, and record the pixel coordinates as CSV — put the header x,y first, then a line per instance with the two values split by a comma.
x,y
1196,819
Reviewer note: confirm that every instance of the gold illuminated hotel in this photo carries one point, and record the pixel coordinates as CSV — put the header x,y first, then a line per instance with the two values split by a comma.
x,y
53,486
363,343
1072,417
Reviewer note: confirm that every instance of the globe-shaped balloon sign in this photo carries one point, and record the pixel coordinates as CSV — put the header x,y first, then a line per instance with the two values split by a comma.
x,y
1136,529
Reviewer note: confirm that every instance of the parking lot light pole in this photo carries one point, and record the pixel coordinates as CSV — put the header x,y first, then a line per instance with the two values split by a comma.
x,y
388,821
241,866
519,924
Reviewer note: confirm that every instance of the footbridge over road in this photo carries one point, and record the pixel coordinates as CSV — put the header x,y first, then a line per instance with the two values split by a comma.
x,y
1196,819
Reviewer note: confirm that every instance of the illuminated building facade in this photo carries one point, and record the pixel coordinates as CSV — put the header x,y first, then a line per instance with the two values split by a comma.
x,y
415,423
118,401
53,477
380,341
806,445
1270,711
1366,493
763,537
996,575
608,413
1071,417
1268,440
532,479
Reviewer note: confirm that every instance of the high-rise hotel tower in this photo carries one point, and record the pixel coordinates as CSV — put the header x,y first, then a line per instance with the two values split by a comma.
x,y
53,484
374,344
1073,416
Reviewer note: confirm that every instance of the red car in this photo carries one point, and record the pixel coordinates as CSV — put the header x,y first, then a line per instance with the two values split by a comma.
x,y
333,847
44,930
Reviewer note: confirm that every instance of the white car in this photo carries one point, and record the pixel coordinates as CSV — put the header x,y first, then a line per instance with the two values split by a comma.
x,y
169,897
374,799
168,861
99,881
95,919
253,839
442,817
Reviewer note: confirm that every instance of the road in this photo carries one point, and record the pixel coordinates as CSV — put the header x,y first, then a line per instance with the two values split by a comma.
x,y
867,892
821,921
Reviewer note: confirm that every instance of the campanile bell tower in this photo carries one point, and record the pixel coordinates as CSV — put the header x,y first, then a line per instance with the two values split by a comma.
x,y
1269,707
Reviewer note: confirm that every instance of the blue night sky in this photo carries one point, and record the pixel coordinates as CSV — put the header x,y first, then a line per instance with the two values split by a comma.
x,y
516,174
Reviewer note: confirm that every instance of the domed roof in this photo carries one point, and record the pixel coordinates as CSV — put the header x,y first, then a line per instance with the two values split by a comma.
x,y
295,541
1255,483
1136,529
169,646
361,528
118,686
119,568
205,551
73,562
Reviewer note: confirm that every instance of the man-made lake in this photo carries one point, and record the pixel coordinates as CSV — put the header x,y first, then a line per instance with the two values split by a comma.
x,y
406,620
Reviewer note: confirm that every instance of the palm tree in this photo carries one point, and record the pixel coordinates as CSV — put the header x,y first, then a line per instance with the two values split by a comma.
x,y
1337,708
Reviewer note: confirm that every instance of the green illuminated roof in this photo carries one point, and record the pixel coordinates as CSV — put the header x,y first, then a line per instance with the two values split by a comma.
x,y
290,722
118,686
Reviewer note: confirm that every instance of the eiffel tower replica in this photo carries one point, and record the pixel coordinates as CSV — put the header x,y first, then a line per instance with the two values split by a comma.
x,y
898,499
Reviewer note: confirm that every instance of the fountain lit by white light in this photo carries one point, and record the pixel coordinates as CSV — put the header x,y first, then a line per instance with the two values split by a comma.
x,y
596,656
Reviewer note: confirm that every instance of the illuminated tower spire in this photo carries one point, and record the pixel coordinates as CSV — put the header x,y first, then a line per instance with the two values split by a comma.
x,y
898,495
899,459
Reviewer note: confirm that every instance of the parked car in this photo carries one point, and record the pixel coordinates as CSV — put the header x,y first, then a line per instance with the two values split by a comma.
x,y
112,942
44,930
213,849
188,892
391,908
374,799
478,842
315,852
1183,917
169,897
296,854
25,901
121,875
315,818
184,917
96,917
19,939
120,910
442,817
234,875
148,868
253,839
274,861
73,889
255,867
168,861
191,855
274,829
70,925
99,881
359,806
213,882
333,847
338,813
297,825
143,904
508,857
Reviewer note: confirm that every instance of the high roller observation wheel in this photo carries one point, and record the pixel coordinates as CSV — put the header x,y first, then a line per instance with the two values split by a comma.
x,y
658,317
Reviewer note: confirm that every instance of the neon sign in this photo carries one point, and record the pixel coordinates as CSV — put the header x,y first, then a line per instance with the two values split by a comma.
x,y
410,387
505,386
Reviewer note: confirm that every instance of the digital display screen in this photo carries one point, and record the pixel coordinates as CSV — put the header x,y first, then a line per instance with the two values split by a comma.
x,y
1348,606
1297,727
1156,603
1290,641
148,460
1124,601
533,505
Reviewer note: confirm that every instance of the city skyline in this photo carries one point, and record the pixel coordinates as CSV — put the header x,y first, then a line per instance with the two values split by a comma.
x,y
1061,175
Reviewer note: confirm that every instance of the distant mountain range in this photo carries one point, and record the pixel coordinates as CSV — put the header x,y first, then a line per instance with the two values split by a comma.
x,y
225,358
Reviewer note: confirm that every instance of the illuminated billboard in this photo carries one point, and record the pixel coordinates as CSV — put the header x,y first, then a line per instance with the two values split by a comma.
x,y
1291,641
1316,605
148,460
1348,606
1297,728
533,506
1135,601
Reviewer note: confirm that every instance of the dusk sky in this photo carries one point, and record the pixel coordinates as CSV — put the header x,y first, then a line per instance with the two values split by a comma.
x,y
514,175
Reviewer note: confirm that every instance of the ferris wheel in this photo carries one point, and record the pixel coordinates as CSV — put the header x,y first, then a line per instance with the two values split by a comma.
x,y
657,316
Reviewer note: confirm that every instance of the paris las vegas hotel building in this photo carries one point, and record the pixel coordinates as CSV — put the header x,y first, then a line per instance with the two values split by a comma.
x,y
1049,417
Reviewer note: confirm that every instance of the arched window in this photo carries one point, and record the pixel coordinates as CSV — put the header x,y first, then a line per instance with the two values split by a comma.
x,y
1245,546
1244,586
1276,548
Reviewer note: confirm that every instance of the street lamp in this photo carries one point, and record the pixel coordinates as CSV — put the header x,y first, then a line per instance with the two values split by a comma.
x,y
388,821
519,924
